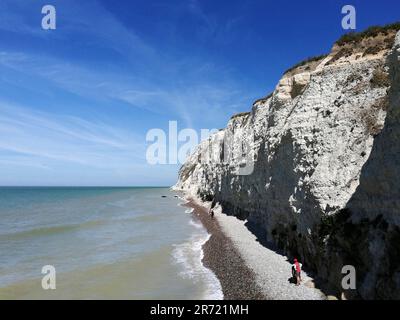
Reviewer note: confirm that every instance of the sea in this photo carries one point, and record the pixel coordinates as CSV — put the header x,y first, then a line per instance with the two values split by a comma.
x,y
101,243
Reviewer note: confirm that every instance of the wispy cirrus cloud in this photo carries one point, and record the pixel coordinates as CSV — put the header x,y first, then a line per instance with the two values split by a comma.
x,y
88,18
66,138
189,88
188,100
96,59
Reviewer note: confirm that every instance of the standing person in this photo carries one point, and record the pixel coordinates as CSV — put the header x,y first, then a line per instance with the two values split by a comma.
x,y
297,268
294,275
211,211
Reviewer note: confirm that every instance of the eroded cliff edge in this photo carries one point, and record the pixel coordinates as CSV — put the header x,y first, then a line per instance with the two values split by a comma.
x,y
323,162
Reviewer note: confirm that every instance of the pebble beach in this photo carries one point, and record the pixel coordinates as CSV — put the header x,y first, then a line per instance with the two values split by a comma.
x,y
246,268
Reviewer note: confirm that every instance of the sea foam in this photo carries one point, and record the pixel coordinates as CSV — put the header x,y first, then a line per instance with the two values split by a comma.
x,y
189,256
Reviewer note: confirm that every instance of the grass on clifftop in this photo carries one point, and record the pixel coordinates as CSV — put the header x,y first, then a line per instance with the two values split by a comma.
x,y
263,99
306,61
241,114
373,31
354,38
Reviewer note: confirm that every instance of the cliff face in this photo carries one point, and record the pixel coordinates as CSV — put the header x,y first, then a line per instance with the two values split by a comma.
x,y
316,164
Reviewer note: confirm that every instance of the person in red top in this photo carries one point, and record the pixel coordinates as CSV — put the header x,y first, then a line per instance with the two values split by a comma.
x,y
296,267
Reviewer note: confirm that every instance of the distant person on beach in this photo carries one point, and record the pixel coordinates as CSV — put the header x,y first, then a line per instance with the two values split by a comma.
x,y
296,271
294,277
211,212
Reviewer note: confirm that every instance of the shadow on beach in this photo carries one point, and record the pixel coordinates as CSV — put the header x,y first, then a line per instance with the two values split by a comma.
x,y
261,237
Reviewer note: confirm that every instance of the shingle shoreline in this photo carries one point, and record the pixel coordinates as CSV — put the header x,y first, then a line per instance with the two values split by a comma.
x,y
220,255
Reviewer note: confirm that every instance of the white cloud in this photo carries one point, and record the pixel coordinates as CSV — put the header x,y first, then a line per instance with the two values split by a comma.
x,y
190,89
67,139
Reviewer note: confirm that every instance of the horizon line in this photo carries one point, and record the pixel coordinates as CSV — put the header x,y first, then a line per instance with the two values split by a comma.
x,y
72,186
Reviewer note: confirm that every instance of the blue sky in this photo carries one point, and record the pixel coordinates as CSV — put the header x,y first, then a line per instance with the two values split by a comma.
x,y
76,102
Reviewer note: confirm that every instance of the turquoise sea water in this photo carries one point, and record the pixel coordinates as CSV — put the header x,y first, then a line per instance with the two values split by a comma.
x,y
105,243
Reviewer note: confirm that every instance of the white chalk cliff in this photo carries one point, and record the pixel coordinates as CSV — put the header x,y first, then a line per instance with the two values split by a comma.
x,y
316,164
